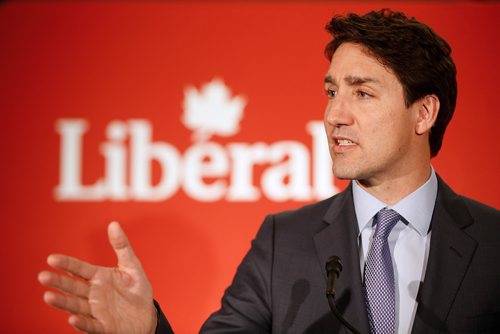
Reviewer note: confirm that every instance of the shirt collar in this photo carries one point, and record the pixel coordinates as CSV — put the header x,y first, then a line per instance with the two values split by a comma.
x,y
416,208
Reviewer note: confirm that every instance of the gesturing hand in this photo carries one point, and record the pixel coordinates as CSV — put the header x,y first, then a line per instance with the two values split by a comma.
x,y
102,299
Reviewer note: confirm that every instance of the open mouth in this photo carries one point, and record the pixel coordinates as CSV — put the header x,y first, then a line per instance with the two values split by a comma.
x,y
344,142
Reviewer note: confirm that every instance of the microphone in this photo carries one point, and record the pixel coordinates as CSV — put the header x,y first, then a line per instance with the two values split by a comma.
x,y
333,270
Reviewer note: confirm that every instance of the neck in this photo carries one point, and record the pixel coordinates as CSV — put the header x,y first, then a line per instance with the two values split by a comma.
x,y
393,190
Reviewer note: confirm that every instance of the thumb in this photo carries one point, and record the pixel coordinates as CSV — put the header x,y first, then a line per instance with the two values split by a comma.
x,y
123,250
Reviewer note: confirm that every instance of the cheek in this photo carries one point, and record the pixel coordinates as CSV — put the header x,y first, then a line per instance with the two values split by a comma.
x,y
376,129
382,135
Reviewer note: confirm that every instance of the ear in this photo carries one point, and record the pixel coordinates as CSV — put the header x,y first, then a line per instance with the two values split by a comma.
x,y
428,109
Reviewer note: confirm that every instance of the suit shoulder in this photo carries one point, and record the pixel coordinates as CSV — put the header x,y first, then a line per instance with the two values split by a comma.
x,y
480,221
315,210
481,211
308,218
466,210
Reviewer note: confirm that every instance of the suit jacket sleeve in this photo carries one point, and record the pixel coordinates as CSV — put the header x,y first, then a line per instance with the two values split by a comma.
x,y
163,327
246,304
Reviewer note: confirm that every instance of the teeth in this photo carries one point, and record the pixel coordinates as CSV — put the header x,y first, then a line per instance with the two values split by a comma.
x,y
342,142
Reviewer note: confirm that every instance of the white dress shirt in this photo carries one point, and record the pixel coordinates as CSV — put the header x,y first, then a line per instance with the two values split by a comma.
x,y
409,242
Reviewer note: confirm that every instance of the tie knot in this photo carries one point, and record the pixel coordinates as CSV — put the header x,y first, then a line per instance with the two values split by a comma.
x,y
385,220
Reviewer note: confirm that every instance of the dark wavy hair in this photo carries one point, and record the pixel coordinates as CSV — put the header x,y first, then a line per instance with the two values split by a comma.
x,y
419,58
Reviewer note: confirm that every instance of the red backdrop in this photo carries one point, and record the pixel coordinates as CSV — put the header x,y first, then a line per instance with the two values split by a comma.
x,y
114,62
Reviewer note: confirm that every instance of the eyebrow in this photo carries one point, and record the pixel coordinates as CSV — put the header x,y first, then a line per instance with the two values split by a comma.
x,y
352,80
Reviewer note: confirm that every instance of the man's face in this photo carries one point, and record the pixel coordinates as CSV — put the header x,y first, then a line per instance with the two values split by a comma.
x,y
370,131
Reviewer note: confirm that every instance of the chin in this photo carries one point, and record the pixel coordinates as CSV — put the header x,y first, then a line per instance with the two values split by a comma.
x,y
348,172
344,173
343,177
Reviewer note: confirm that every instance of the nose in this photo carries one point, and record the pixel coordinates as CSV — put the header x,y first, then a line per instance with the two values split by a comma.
x,y
338,111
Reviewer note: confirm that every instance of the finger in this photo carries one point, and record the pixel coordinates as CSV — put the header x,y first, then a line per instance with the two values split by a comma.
x,y
72,265
124,252
64,283
85,324
67,303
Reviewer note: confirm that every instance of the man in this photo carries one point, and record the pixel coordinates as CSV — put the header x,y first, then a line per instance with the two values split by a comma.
x,y
416,257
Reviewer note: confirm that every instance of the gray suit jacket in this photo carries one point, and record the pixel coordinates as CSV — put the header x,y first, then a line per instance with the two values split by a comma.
x,y
281,283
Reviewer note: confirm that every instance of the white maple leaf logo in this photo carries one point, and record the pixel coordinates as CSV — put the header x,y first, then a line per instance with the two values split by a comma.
x,y
212,111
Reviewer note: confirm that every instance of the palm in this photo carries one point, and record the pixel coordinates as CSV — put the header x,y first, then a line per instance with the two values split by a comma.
x,y
107,300
121,300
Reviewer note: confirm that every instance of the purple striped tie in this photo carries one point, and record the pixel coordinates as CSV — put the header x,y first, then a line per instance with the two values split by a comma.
x,y
379,276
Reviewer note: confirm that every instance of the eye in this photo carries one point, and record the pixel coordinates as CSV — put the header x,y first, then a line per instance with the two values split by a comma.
x,y
362,94
331,93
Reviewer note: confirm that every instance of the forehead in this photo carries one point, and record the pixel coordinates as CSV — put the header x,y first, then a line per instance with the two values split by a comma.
x,y
354,61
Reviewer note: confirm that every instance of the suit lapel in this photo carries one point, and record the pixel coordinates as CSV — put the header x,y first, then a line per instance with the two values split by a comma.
x,y
451,251
340,237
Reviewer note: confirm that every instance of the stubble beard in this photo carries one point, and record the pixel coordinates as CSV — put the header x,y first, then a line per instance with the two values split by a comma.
x,y
345,170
